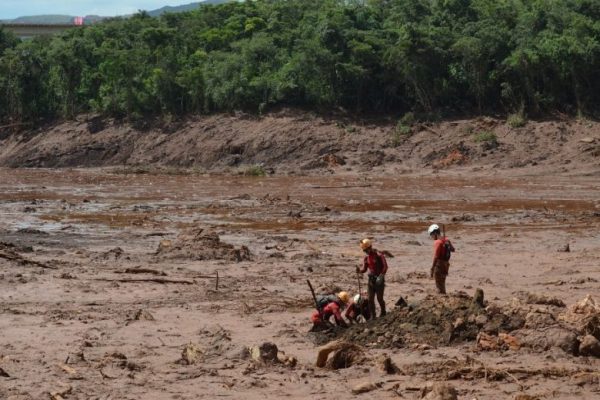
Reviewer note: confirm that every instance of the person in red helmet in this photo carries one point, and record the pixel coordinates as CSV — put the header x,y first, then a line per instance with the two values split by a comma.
x,y
330,306
375,263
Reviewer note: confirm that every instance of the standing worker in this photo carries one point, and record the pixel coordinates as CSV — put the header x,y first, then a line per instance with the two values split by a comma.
x,y
442,249
376,264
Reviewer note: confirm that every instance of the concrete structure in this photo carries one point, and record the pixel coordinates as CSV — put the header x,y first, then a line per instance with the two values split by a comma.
x,y
26,31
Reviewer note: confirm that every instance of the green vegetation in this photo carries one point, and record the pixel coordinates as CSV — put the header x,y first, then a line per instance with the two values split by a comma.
x,y
486,137
255,170
385,56
517,120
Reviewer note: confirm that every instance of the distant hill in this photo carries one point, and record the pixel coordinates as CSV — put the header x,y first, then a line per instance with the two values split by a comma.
x,y
184,7
42,19
68,19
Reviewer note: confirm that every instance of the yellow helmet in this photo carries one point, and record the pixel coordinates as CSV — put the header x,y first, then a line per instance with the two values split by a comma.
x,y
366,243
344,297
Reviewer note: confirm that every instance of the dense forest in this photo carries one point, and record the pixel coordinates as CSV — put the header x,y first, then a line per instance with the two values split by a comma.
x,y
434,57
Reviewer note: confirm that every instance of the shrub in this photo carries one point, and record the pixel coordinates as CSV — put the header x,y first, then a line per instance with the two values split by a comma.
x,y
486,137
517,120
255,170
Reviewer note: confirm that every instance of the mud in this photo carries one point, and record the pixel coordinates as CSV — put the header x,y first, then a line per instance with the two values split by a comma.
x,y
108,280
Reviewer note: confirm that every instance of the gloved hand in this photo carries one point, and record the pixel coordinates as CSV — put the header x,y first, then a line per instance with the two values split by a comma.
x,y
380,279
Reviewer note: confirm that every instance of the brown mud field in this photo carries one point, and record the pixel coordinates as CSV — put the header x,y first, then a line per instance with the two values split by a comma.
x,y
109,290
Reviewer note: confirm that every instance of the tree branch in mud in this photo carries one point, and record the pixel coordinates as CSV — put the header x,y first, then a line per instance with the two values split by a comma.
x,y
154,280
24,261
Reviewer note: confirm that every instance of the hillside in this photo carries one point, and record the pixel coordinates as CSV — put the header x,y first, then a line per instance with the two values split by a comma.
x,y
298,142
67,19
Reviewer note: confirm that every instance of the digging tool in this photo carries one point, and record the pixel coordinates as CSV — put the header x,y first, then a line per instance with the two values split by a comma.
x,y
312,291
358,279
443,230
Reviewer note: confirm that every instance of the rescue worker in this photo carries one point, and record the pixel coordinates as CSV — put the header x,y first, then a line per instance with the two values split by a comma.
x,y
358,307
375,263
442,249
330,306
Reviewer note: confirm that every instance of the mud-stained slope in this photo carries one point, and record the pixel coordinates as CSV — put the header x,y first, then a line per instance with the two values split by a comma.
x,y
294,141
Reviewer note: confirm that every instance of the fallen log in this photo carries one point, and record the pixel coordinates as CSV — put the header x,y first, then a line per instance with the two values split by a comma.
x,y
152,280
142,271
24,261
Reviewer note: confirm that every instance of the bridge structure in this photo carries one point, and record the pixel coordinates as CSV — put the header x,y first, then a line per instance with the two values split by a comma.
x,y
27,31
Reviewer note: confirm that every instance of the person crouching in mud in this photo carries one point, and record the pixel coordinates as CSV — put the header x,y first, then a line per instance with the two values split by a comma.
x,y
375,263
442,249
357,308
327,307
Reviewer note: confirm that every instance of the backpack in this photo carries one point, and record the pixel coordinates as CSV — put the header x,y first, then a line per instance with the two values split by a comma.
x,y
448,250
324,299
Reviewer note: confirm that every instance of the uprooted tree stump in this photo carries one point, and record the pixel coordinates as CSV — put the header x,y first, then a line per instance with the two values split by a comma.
x,y
345,354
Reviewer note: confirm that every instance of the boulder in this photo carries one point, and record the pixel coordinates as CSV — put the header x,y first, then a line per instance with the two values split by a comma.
x,y
439,391
364,388
545,340
265,353
590,346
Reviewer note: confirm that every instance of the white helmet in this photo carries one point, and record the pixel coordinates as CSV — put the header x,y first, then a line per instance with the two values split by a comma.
x,y
433,228
357,298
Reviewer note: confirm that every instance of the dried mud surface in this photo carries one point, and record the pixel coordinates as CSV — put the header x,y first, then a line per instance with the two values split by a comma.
x,y
108,284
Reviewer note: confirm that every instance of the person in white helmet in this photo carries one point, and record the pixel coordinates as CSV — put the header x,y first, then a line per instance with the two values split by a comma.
x,y
442,249
375,263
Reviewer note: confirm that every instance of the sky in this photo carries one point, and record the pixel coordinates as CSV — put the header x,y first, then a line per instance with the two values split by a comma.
x,y
16,8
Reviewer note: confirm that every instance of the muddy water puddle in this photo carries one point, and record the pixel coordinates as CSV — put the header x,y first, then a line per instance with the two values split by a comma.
x,y
88,198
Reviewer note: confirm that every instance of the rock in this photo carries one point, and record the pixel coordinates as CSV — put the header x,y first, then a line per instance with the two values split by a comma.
x,y
143,315
439,391
345,354
537,320
523,396
190,354
4,374
564,249
533,298
545,340
387,365
364,388
242,353
266,352
478,298
590,346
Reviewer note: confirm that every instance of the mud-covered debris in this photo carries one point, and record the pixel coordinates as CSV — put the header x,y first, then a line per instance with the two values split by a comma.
x,y
387,365
586,378
439,391
112,254
190,354
543,340
345,354
143,315
198,244
590,346
264,353
364,387
534,298
564,249
584,316
434,321
3,373
503,341
288,361
538,320
524,396
478,298
61,393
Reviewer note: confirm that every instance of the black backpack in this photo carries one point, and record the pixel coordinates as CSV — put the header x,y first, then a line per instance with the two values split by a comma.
x,y
324,299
